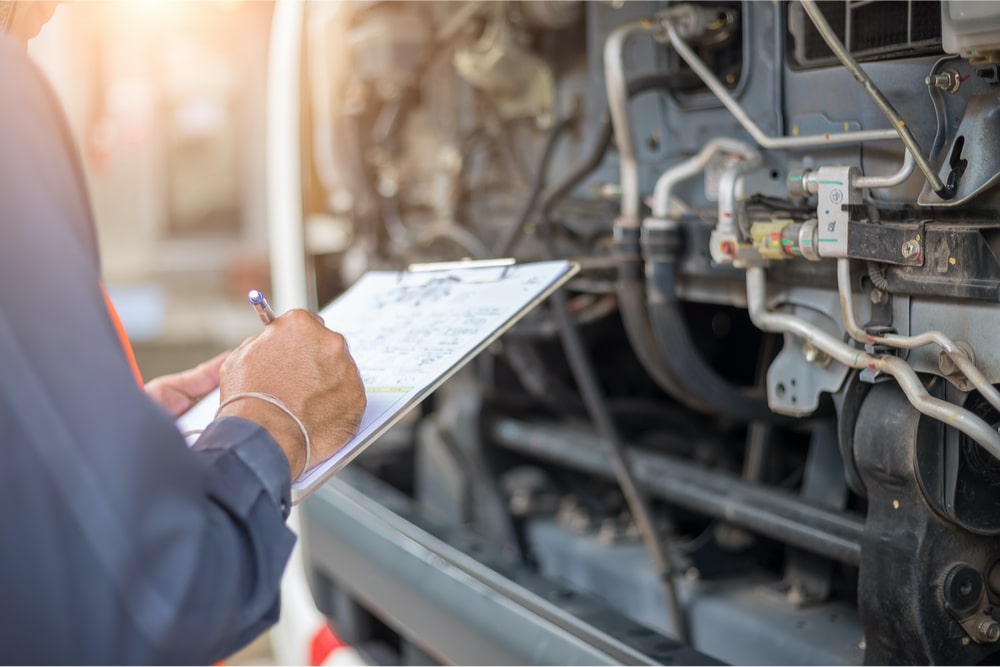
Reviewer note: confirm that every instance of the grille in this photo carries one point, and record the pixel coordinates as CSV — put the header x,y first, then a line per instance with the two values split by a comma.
x,y
870,29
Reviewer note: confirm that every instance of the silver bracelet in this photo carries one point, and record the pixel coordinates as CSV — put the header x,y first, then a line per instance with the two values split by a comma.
x,y
276,402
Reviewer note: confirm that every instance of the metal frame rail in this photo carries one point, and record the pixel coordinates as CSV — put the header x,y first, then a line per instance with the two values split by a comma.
x,y
452,595
768,511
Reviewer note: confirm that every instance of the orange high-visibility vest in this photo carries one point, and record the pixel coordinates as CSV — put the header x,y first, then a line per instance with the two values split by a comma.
x,y
123,338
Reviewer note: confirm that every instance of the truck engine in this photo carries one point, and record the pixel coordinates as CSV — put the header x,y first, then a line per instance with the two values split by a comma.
x,y
760,426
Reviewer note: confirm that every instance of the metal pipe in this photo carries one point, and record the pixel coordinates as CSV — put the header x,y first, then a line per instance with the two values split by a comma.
x,y
284,173
950,348
897,122
766,320
617,89
765,510
951,415
283,134
873,182
806,141
694,166
729,183
943,411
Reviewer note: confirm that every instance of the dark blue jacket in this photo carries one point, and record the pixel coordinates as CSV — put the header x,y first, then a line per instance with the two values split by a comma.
x,y
118,544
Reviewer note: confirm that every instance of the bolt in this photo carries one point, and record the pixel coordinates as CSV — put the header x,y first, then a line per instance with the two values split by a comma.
x,y
988,630
911,249
948,81
878,297
814,355
946,364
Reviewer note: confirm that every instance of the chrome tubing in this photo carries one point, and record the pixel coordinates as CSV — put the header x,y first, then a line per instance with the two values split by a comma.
x,y
949,414
766,320
898,124
729,182
806,141
950,348
952,415
874,182
694,166
617,89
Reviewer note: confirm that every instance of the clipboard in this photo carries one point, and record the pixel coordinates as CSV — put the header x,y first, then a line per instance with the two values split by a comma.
x,y
410,331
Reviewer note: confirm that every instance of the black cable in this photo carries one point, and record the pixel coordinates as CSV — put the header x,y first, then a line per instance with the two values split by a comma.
x,y
877,276
604,138
636,499
593,398
515,232
876,270
597,152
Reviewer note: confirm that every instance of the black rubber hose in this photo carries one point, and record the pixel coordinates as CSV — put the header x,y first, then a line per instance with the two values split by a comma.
x,y
590,389
630,286
702,384
631,292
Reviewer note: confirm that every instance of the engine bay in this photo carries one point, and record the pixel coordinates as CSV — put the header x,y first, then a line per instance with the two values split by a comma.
x,y
762,420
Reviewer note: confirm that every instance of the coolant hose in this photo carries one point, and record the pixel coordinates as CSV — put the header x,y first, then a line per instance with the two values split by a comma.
x,y
700,383
631,293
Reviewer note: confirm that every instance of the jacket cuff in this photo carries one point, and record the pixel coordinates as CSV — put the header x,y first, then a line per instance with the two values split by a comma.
x,y
234,442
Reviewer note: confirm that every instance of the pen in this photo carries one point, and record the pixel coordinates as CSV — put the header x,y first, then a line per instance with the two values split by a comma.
x,y
260,304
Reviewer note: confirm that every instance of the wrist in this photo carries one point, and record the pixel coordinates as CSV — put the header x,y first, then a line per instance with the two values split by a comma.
x,y
279,425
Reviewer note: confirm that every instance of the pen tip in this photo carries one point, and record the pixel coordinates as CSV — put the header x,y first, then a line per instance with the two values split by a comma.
x,y
255,297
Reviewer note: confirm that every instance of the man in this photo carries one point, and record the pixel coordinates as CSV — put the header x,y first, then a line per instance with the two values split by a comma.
x,y
119,544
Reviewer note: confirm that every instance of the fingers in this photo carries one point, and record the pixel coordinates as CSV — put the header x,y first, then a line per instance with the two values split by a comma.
x,y
200,380
177,392
215,362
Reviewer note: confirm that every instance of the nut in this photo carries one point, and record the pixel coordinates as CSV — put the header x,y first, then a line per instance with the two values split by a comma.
x,y
948,80
946,364
814,355
988,630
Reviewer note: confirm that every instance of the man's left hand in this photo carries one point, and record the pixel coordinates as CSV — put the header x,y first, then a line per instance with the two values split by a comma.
x,y
177,392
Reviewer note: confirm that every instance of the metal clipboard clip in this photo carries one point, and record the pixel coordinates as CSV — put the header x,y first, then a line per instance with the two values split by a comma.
x,y
464,271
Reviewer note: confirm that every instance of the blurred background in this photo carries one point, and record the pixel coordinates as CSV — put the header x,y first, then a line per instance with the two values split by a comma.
x,y
166,102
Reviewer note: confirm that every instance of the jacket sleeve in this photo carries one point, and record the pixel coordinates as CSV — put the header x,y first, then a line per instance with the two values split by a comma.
x,y
119,543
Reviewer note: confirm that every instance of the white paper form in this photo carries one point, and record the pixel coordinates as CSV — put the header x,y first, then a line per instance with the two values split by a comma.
x,y
409,332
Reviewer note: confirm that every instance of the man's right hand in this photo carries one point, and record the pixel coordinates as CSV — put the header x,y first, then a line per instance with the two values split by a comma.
x,y
309,368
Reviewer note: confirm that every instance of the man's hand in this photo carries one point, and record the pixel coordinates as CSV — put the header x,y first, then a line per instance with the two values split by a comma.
x,y
309,368
178,392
